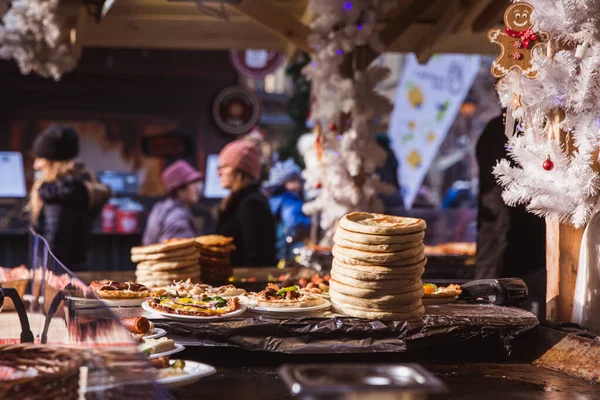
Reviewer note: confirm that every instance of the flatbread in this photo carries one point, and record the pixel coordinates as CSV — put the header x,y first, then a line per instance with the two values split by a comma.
x,y
368,293
445,292
166,265
213,261
154,282
382,302
376,276
381,224
184,273
377,315
378,258
375,248
163,247
378,269
397,263
305,300
213,240
378,239
387,284
175,255
398,308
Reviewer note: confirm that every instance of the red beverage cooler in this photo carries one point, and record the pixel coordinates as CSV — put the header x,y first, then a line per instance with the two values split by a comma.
x,y
109,218
128,221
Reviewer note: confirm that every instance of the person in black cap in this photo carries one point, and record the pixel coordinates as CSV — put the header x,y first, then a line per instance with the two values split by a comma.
x,y
66,197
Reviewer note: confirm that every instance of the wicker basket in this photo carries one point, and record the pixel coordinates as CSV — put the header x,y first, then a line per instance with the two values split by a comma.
x,y
58,372
20,285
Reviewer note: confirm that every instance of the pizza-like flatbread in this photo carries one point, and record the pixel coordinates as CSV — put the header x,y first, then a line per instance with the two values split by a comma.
x,y
434,292
276,297
189,289
117,290
206,307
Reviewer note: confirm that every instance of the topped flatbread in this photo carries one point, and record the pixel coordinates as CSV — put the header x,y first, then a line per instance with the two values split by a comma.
x,y
432,291
173,244
381,224
276,297
119,290
189,289
205,307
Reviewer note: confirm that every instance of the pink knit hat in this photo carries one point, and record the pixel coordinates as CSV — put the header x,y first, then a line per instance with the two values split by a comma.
x,y
178,174
244,155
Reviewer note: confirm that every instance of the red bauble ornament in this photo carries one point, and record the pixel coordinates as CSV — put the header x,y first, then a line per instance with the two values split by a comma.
x,y
332,128
548,165
319,186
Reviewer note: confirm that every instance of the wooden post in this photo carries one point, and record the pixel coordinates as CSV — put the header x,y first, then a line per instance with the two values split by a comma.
x,y
562,259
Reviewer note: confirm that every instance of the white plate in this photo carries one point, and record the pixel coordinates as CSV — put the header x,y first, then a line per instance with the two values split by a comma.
x,y
194,371
441,300
177,349
109,303
155,333
190,318
291,310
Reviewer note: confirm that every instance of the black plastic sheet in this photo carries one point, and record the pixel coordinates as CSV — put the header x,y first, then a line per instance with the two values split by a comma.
x,y
331,333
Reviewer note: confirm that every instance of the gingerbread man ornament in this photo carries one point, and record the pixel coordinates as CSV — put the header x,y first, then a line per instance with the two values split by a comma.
x,y
517,42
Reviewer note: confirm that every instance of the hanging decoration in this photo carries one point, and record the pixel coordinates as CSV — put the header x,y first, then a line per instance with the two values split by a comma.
x,y
40,35
554,95
347,103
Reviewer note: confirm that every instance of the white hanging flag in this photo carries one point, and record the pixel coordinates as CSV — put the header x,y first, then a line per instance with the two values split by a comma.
x,y
427,100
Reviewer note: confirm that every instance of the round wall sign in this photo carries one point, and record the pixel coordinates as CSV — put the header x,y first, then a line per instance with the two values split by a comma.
x,y
256,64
236,110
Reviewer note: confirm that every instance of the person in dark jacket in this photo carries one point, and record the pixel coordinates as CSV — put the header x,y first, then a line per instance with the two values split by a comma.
x,y
510,241
245,214
286,201
172,217
66,198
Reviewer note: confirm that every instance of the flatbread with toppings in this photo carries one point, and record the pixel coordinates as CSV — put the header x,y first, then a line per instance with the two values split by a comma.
x,y
432,291
276,297
189,289
198,307
381,224
117,290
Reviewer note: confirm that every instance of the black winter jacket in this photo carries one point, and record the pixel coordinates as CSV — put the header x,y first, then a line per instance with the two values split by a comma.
x,y
249,221
70,205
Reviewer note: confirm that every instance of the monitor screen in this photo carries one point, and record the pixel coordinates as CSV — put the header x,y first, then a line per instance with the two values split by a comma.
x,y
121,183
12,175
212,185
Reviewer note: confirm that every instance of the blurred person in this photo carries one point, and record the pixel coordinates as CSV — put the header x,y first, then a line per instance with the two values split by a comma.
x,y
245,214
66,197
286,200
172,217
388,173
510,241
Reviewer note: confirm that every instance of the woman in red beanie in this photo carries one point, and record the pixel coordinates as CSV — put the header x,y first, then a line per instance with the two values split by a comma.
x,y
172,218
245,214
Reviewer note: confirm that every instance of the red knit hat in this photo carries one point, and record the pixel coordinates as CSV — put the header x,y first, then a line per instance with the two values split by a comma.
x,y
244,155
179,174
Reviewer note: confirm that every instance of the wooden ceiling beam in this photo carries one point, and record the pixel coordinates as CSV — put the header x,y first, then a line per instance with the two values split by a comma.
x,y
474,10
490,16
394,28
276,20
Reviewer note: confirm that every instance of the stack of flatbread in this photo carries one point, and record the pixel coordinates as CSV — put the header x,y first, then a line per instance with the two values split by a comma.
x,y
161,264
215,253
377,266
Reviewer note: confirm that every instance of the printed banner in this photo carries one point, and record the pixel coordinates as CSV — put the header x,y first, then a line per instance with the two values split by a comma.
x,y
427,101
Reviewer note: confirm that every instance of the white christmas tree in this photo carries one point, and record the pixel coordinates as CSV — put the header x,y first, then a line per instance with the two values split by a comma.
x,y
346,105
37,34
554,168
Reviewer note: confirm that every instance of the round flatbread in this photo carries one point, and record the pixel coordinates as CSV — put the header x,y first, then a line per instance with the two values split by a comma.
x,y
166,265
213,260
387,284
376,276
375,248
213,240
184,273
369,293
383,302
305,300
378,269
379,239
381,224
175,255
378,258
163,247
397,263
383,315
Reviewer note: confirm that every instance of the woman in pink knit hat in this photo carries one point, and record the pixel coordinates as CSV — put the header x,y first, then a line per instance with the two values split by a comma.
x,y
245,214
172,217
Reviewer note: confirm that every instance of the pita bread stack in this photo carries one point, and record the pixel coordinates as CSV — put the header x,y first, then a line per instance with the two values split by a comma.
x,y
161,264
377,266
215,252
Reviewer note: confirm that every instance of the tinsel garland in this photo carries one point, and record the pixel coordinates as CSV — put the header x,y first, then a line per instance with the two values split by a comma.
x,y
37,35
345,173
